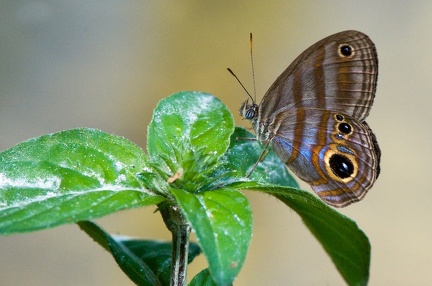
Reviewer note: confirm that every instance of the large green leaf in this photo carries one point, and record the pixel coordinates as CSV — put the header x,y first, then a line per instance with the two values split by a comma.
x,y
341,238
146,262
188,134
345,243
222,221
186,120
69,176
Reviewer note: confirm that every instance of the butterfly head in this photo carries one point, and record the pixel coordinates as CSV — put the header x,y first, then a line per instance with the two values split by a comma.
x,y
249,111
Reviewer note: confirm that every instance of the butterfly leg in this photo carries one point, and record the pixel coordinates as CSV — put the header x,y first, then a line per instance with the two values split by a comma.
x,y
261,157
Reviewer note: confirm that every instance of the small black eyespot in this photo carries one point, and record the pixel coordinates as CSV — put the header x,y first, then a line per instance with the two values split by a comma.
x,y
346,50
341,166
345,128
339,117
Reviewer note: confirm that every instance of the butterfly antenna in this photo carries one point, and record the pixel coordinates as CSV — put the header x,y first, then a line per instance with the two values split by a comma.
x,y
231,72
253,69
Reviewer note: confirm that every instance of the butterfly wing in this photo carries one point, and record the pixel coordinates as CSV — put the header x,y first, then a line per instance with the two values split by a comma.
x,y
338,73
333,152
313,117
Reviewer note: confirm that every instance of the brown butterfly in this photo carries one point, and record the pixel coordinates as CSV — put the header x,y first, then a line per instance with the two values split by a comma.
x,y
313,116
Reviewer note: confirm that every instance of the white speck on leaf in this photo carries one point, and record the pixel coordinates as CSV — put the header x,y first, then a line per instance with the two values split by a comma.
x,y
45,183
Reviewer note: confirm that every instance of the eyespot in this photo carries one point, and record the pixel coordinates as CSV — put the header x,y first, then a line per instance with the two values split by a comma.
x,y
341,166
345,50
339,117
345,128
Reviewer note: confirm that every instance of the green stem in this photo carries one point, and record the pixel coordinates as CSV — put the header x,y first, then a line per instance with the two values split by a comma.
x,y
180,230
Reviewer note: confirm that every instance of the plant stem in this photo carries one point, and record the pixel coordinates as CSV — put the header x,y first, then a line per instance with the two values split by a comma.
x,y
180,230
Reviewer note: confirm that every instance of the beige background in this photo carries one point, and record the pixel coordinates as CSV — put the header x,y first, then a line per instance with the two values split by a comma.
x,y
105,64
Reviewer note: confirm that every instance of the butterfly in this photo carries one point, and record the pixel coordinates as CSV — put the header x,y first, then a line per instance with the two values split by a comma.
x,y
313,117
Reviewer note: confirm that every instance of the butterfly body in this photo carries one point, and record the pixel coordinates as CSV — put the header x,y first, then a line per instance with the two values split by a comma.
x,y
313,117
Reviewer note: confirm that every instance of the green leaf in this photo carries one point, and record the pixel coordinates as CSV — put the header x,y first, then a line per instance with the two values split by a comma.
x,y
139,272
157,255
189,120
188,134
222,221
345,243
146,262
342,239
203,278
69,176
244,152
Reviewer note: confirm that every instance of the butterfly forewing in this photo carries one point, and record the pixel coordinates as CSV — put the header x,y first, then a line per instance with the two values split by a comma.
x,y
324,77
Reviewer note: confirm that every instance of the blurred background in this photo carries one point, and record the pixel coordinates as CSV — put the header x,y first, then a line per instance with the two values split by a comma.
x,y
106,64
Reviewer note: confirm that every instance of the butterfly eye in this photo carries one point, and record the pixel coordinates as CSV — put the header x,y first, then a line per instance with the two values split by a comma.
x,y
250,113
345,128
346,50
341,166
